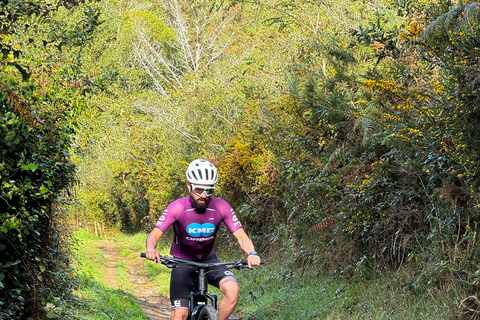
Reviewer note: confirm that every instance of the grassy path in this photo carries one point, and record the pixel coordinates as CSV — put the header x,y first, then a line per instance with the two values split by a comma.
x,y
126,273
115,283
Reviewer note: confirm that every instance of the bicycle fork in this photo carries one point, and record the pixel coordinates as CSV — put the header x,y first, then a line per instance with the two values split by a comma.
x,y
200,298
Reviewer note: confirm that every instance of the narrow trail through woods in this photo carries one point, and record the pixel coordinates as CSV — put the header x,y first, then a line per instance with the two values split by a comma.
x,y
155,306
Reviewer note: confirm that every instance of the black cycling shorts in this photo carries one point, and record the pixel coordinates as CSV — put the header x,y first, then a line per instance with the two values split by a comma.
x,y
181,281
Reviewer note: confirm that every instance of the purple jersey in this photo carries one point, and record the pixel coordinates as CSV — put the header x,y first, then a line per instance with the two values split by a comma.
x,y
195,232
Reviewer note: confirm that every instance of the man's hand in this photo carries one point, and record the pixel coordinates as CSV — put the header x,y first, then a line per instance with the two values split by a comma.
x,y
253,260
153,255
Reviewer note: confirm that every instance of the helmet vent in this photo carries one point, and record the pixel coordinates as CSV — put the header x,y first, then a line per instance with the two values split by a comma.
x,y
194,175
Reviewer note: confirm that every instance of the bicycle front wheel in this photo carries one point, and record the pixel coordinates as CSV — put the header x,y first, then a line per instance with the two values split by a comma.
x,y
208,313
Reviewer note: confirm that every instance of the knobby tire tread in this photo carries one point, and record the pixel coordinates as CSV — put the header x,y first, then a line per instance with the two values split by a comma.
x,y
208,313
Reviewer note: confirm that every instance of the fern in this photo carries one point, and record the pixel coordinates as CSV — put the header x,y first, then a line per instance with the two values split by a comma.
x,y
21,106
366,125
449,22
337,156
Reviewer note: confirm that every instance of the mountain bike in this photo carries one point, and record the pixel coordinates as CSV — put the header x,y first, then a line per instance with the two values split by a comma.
x,y
203,305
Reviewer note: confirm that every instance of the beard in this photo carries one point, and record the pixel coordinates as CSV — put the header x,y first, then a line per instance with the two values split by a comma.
x,y
200,207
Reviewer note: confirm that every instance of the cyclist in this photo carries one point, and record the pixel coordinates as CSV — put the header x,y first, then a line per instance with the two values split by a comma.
x,y
195,221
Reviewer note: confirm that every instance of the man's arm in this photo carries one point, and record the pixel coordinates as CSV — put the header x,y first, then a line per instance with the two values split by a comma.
x,y
247,245
151,244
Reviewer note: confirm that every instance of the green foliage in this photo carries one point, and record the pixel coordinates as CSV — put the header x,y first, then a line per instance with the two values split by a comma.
x,y
131,148
420,193
39,99
35,173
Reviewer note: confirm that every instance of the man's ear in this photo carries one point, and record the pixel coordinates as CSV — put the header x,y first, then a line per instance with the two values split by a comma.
x,y
189,186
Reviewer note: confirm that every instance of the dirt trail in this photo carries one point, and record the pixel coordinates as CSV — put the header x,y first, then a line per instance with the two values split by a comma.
x,y
156,307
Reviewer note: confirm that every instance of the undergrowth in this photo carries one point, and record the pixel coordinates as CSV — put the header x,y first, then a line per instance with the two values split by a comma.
x,y
274,291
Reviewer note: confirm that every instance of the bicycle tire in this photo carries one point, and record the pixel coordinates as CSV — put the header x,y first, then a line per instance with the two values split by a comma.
x,y
208,313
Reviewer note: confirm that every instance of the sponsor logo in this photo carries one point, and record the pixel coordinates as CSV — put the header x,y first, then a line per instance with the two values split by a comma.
x,y
199,239
161,219
197,229
236,223
177,304
228,273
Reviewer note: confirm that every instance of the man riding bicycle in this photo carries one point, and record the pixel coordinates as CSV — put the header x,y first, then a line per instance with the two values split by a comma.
x,y
195,221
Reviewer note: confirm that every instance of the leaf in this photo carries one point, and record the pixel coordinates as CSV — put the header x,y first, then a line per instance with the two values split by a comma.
x,y
30,166
25,74
12,263
43,189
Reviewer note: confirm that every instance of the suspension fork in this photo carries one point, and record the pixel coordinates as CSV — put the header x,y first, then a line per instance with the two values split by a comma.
x,y
202,290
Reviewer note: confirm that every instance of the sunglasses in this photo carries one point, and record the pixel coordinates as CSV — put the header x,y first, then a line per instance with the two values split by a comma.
x,y
200,190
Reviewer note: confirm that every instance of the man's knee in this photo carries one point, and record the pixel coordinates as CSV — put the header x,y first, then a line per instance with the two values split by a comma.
x,y
179,314
229,287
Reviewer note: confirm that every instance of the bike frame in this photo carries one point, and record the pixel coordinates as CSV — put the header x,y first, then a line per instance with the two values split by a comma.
x,y
200,296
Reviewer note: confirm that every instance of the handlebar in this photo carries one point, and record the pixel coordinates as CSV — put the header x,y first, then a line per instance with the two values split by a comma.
x,y
172,262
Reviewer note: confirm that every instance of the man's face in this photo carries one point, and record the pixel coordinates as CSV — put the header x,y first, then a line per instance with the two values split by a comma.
x,y
200,196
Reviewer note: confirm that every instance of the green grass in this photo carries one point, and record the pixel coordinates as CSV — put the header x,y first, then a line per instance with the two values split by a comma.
x,y
135,242
160,276
272,292
122,277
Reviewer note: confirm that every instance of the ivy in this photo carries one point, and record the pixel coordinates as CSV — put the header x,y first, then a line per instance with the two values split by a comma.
x,y
40,95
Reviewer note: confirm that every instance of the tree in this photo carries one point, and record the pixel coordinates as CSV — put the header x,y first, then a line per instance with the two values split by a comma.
x,y
194,39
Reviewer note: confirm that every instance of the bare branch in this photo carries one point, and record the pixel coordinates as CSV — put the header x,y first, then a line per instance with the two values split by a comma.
x,y
170,120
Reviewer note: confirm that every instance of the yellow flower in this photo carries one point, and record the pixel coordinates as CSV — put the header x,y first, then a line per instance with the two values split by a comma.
x,y
369,84
404,37
414,28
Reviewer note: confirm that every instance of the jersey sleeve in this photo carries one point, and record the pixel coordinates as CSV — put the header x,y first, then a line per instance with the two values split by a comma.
x,y
229,217
170,215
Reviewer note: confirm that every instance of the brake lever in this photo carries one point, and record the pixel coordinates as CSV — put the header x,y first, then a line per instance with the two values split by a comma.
x,y
168,262
243,264
240,264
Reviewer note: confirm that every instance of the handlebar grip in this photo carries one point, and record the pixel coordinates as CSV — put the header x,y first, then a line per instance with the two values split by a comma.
x,y
244,261
144,255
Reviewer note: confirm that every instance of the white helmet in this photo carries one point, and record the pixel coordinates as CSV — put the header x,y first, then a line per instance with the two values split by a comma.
x,y
201,172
